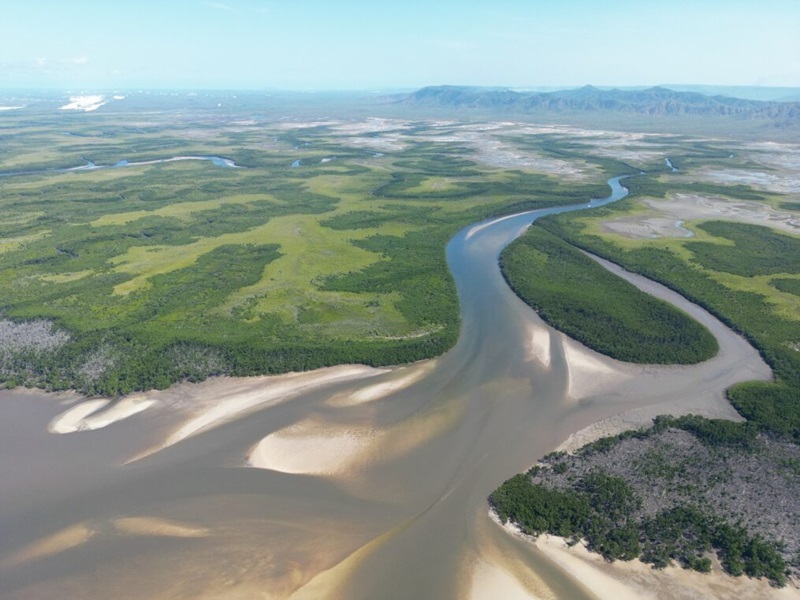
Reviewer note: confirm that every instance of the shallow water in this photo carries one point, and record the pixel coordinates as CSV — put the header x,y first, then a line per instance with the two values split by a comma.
x,y
402,512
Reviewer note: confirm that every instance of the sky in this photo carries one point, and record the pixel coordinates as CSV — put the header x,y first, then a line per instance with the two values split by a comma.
x,y
384,45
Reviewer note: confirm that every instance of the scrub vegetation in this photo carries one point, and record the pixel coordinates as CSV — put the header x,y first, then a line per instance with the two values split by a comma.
x,y
685,490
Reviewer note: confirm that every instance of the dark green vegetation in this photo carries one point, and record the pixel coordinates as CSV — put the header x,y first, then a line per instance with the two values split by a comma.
x,y
674,492
744,251
790,286
757,250
137,277
579,297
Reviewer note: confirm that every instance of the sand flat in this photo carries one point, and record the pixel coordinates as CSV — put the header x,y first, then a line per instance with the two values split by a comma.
x,y
217,401
73,419
634,580
152,526
61,541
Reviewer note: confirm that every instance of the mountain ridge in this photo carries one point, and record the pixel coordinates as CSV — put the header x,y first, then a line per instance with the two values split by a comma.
x,y
656,101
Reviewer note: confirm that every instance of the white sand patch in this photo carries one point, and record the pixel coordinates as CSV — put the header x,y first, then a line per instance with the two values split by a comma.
x,y
774,182
152,526
696,207
776,155
72,419
647,227
84,103
309,449
581,568
127,407
539,343
371,125
634,580
271,391
89,415
384,143
589,372
303,124
65,539
490,582
320,448
483,226
400,380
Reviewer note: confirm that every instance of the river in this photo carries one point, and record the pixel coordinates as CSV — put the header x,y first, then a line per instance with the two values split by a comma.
x,y
369,488
217,161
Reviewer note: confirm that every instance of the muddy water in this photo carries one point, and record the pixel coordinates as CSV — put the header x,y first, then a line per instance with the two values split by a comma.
x,y
364,494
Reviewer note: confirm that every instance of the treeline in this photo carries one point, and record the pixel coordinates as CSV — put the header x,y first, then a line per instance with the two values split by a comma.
x,y
578,499
116,363
604,511
576,295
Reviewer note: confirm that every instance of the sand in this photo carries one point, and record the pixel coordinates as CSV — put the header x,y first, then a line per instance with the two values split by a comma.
x,y
398,380
539,344
97,414
647,228
65,539
635,580
151,526
309,448
490,582
222,399
72,419
317,447
591,373
626,580
692,207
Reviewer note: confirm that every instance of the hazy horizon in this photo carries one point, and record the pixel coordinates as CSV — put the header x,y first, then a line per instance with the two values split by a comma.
x,y
381,46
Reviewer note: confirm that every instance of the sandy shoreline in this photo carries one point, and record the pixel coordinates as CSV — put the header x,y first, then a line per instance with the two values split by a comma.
x,y
624,580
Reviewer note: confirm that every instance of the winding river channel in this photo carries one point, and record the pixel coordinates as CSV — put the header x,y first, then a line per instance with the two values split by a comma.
x,y
348,483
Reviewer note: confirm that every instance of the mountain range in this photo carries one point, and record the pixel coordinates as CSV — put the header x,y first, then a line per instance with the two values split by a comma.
x,y
655,101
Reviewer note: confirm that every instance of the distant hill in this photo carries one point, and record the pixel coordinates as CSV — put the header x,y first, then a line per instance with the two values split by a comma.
x,y
655,101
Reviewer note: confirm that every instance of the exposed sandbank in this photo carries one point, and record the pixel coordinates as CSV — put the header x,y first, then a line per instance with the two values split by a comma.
x,y
222,399
635,580
96,414
398,380
490,582
56,543
152,526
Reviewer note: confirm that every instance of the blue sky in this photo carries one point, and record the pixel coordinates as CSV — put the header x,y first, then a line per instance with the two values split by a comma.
x,y
358,44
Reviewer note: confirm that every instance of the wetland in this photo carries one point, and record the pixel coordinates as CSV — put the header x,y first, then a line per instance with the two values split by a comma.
x,y
224,454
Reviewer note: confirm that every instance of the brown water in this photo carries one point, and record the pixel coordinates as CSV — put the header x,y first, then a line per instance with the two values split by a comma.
x,y
402,516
